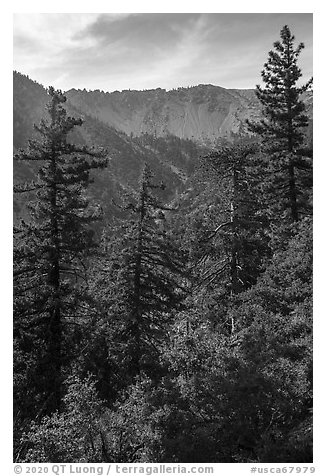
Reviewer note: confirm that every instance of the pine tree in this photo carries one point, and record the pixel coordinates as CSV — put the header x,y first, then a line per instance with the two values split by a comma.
x,y
288,170
231,244
50,253
143,280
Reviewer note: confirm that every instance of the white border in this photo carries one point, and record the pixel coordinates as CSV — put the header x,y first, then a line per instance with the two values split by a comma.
x,y
6,186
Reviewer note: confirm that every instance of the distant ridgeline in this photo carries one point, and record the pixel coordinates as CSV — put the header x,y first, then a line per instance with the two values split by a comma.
x,y
203,113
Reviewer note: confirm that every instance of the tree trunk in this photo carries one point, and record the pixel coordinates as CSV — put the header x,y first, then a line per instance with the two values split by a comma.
x,y
55,324
293,192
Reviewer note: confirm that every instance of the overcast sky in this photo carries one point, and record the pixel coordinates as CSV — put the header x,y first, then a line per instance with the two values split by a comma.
x,y
150,50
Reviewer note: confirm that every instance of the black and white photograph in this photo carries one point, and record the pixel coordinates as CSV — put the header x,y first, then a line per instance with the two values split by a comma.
x,y
163,240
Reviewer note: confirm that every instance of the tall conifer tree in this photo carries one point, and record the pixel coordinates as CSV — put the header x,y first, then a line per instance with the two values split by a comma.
x,y
143,281
50,252
283,127
232,244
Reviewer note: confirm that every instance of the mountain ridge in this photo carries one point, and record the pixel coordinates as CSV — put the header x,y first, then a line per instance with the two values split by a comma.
x,y
204,113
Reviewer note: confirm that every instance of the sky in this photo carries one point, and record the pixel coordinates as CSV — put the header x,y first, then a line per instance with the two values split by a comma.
x,y
149,50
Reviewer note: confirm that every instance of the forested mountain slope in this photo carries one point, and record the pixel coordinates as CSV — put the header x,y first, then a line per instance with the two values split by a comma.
x,y
171,158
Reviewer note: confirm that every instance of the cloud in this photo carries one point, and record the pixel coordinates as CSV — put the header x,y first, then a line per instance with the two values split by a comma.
x,y
42,40
139,51
151,29
54,31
